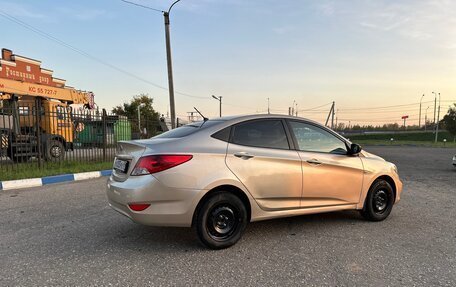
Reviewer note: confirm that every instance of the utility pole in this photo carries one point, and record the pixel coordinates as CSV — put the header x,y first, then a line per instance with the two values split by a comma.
x,y
139,119
139,116
435,105
437,124
419,120
425,119
296,112
172,103
268,107
168,57
331,113
219,98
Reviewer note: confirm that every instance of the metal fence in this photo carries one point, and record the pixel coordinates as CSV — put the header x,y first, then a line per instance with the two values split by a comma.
x,y
53,135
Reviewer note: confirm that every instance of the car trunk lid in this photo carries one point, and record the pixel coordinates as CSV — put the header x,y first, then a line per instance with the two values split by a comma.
x,y
129,152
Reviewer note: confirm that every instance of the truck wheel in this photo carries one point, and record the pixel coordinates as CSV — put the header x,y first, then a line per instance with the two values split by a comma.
x,y
55,151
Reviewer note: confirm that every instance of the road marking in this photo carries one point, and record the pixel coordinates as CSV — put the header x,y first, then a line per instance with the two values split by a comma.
x,y
21,183
86,175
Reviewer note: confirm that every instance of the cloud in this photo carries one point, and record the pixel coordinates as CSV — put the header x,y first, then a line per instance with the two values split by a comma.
x,y
20,10
327,8
90,14
283,29
416,20
83,14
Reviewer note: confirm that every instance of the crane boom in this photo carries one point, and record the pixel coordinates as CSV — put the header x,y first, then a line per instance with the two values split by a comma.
x,y
66,94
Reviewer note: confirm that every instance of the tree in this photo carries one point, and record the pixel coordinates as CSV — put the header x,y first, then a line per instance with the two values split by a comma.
x,y
149,117
449,120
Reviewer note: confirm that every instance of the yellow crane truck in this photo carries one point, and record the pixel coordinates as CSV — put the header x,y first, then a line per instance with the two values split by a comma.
x,y
35,110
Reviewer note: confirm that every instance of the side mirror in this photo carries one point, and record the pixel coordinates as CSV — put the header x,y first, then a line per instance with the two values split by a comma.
x,y
355,149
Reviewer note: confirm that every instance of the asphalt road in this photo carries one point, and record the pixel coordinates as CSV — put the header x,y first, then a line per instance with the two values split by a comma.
x,y
66,234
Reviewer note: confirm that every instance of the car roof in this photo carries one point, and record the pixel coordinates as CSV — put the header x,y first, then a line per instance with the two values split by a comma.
x,y
261,116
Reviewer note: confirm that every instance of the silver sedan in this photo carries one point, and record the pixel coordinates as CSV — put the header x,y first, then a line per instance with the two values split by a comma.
x,y
218,175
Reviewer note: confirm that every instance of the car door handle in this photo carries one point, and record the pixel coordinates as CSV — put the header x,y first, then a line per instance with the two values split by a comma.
x,y
243,155
314,161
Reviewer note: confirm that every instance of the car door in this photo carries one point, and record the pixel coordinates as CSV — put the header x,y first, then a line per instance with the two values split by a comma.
x,y
330,175
259,155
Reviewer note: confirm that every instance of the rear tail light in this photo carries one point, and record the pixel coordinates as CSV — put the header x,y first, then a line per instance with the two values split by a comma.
x,y
138,206
155,163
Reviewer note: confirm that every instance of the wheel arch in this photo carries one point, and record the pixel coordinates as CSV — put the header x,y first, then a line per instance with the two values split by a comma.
x,y
49,137
389,180
228,188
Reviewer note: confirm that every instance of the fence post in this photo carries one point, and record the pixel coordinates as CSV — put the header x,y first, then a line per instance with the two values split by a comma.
x,y
38,131
104,134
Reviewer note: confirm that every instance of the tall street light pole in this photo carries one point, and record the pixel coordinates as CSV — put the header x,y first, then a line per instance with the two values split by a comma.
x,y
435,105
170,67
425,119
219,98
168,57
139,117
437,124
419,120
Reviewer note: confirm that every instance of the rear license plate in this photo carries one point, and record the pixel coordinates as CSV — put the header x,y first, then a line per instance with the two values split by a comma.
x,y
121,165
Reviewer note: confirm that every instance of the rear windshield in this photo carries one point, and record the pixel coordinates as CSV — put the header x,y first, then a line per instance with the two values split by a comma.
x,y
189,129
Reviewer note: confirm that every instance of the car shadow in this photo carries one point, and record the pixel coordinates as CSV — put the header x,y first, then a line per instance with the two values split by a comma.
x,y
132,236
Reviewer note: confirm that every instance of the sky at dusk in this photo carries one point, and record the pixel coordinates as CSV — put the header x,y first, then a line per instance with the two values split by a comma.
x,y
360,54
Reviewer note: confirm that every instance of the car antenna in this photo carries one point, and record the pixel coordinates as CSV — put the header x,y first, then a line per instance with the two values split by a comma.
x,y
204,118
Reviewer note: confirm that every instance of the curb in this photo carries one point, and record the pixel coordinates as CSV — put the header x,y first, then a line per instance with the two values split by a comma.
x,y
40,181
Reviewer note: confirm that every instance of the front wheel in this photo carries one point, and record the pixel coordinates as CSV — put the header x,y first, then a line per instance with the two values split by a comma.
x,y
221,220
379,201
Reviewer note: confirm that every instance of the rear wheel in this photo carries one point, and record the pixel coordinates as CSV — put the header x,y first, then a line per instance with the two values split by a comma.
x,y
379,201
221,220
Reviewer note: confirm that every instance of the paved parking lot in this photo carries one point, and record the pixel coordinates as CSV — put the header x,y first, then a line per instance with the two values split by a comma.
x,y
66,235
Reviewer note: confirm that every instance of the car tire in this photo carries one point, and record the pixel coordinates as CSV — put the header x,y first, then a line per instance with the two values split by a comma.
x,y
221,220
379,201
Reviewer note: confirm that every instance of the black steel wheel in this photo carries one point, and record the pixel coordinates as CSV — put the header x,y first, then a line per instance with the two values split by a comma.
x,y
379,201
220,220
55,151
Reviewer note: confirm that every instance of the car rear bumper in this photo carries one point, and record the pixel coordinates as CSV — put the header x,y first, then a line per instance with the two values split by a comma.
x,y
168,206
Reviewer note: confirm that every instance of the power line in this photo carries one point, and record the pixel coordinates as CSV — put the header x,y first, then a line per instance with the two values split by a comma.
x,y
143,6
384,107
315,108
85,54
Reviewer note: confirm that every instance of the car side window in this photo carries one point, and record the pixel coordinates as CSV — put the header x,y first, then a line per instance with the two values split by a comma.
x,y
261,133
314,139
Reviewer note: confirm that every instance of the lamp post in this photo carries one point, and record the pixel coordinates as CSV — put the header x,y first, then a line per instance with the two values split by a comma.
x,y
168,57
435,105
437,123
219,98
425,119
139,117
170,67
419,120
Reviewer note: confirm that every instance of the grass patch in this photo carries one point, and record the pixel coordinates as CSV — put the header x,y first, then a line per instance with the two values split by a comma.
x,y
31,169
364,142
405,139
413,137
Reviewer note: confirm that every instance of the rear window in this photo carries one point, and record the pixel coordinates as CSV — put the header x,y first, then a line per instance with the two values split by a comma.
x,y
261,133
188,129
